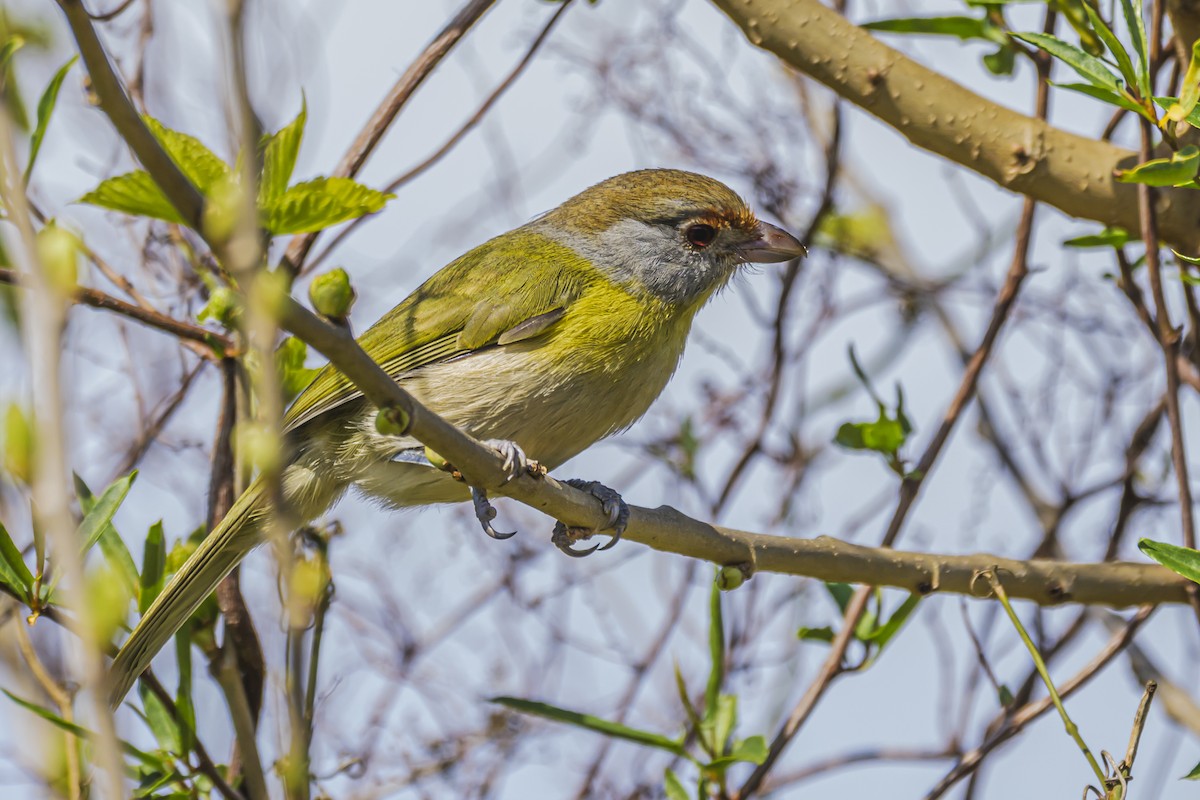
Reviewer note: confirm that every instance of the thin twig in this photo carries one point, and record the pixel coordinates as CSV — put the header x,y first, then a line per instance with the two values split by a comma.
x,y
385,114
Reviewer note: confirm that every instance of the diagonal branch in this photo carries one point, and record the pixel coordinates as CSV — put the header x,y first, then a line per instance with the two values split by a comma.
x,y
1022,153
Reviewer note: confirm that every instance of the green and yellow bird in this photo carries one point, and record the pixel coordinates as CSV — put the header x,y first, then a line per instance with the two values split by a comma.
x,y
541,341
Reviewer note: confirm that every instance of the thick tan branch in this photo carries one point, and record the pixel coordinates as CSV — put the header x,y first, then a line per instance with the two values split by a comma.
x,y
664,528
1072,173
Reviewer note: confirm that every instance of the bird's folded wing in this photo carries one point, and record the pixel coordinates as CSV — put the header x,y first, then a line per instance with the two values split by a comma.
x,y
491,296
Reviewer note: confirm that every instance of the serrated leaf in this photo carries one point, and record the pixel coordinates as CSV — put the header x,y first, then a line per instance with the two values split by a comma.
x,y
318,204
1180,168
1182,560
1108,237
13,571
1118,99
154,558
100,516
44,110
673,787
1124,64
595,724
201,166
133,193
1090,68
279,158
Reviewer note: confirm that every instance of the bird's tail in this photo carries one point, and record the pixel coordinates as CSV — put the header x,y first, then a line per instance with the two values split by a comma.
x,y
238,534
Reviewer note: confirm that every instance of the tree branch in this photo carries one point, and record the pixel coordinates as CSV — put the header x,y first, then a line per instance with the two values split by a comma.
x,y
125,118
668,530
1026,155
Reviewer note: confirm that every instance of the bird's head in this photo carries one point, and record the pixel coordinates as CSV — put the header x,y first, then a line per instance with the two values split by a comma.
x,y
676,234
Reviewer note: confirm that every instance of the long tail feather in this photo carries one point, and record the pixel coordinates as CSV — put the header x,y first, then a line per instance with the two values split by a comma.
x,y
216,556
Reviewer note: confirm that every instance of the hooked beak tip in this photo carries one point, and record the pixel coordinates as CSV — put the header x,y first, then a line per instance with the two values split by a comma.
x,y
772,245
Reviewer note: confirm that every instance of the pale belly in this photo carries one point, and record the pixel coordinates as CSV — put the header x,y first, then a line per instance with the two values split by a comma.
x,y
552,412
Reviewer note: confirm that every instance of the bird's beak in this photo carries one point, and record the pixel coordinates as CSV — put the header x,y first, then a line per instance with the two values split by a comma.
x,y
771,245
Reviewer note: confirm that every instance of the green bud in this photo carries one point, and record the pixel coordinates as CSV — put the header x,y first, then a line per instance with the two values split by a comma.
x,y
392,421
223,306
436,459
258,445
18,444
730,577
58,253
222,206
331,294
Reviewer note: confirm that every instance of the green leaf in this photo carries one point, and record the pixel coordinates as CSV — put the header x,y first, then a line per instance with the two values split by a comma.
x,y
197,162
111,545
841,593
685,699
884,633
44,110
1183,560
77,730
133,193
1113,44
12,567
1005,696
673,787
318,204
965,28
1137,32
154,557
9,49
753,750
1002,61
100,516
1189,88
1180,168
160,721
279,158
1090,68
294,377
716,652
184,707
1194,775
1194,260
822,634
1108,237
716,728
1118,99
588,722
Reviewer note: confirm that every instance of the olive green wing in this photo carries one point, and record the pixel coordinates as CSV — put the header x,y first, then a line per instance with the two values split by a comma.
x,y
507,290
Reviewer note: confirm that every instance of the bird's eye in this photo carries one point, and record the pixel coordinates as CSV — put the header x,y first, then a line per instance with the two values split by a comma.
x,y
700,235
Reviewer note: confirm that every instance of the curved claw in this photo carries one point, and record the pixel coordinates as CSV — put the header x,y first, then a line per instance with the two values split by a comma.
x,y
563,541
613,506
485,512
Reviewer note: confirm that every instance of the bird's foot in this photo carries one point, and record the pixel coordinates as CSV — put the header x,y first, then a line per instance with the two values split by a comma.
x,y
485,512
515,463
612,505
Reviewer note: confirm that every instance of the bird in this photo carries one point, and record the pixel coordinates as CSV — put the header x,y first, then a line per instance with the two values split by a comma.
x,y
539,342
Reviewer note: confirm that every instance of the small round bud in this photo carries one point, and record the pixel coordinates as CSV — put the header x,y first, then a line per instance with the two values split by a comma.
x,y
331,294
392,421
436,459
58,253
730,577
